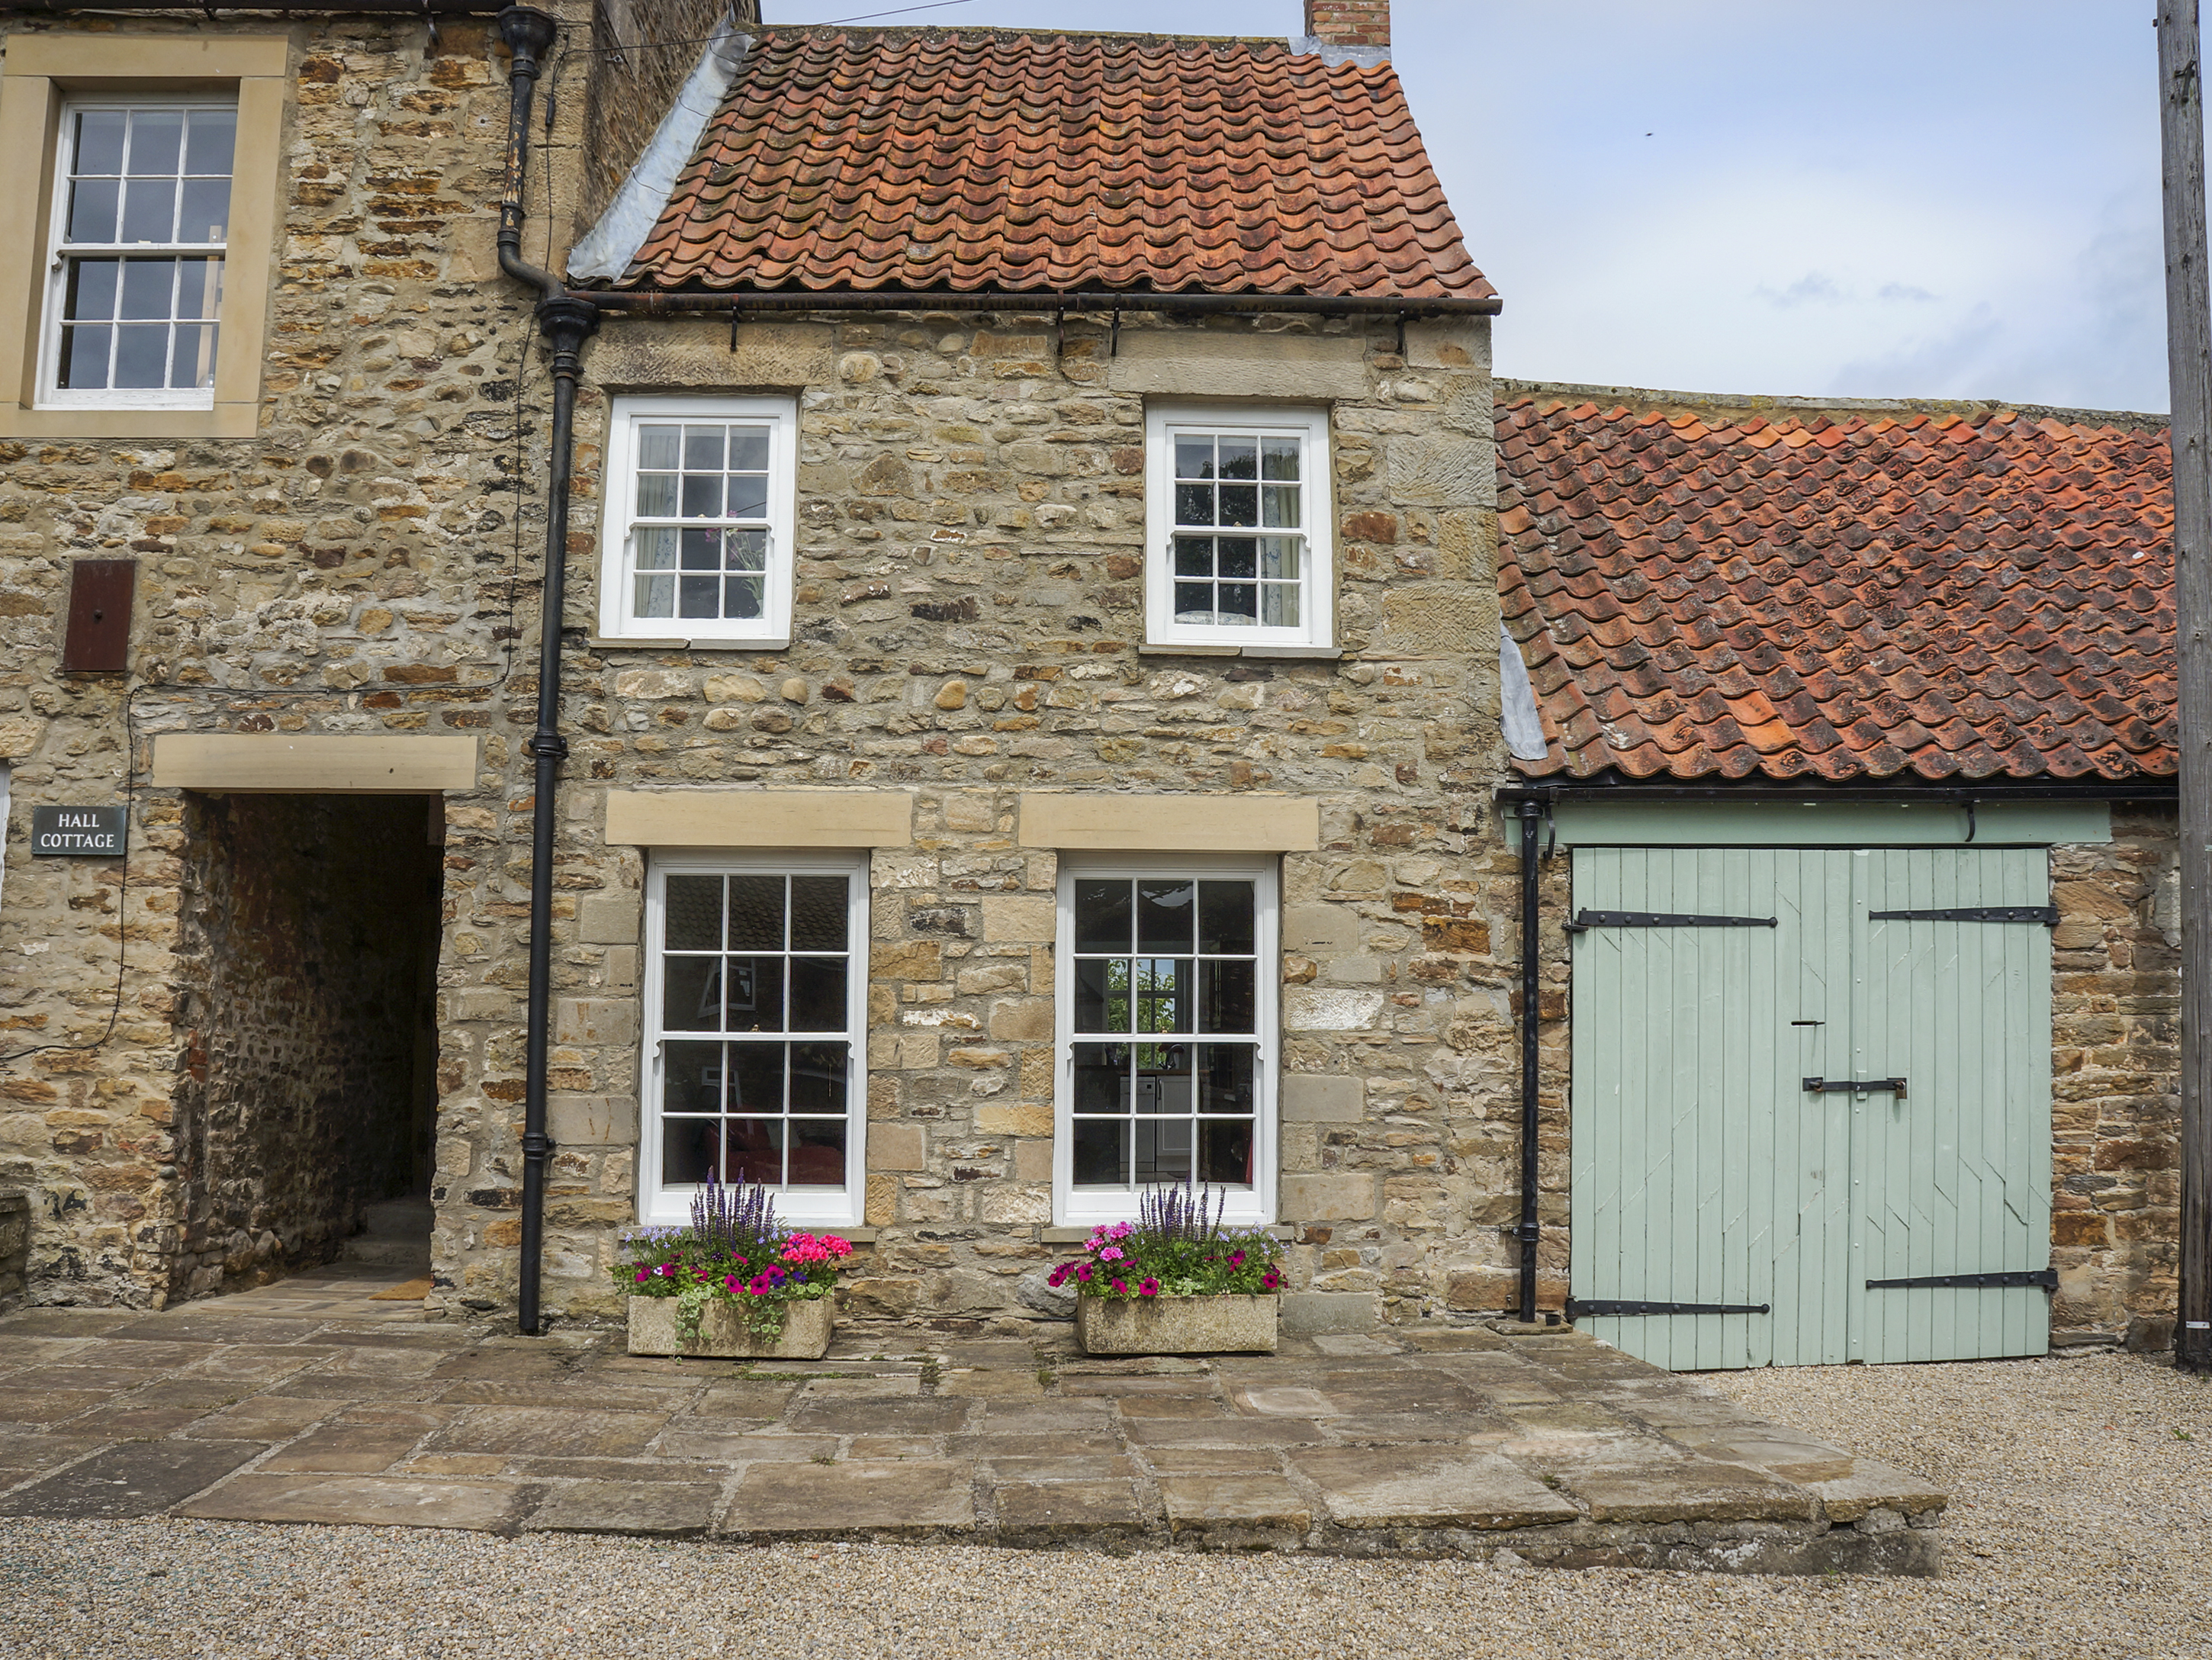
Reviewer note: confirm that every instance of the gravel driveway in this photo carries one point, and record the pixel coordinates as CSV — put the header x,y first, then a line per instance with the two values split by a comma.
x,y
2081,1523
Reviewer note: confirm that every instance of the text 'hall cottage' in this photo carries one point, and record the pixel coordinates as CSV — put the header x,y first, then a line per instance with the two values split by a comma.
x,y
599,596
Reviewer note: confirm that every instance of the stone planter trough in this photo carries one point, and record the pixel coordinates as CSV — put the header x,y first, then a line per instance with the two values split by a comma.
x,y
1176,1325
722,1335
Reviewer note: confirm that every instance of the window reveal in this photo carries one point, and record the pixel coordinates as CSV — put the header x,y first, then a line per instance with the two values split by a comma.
x,y
758,1051
700,530
1166,1050
1239,547
145,215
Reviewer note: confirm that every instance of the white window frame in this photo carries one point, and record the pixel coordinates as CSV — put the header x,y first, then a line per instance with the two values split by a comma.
x,y
660,1204
617,591
1317,608
52,394
1073,1206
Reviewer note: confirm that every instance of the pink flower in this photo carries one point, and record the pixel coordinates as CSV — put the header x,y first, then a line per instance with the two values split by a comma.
x,y
1058,1277
1112,1253
1235,1259
1270,1280
1082,1272
1148,1286
643,1275
1121,1288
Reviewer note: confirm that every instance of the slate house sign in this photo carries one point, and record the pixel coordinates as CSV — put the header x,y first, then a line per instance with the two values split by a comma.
x,y
66,832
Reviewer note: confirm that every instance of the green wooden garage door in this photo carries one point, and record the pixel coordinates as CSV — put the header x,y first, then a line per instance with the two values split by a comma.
x,y
1706,1171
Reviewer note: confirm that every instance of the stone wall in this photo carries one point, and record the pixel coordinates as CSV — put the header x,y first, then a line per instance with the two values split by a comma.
x,y
306,932
353,568
2116,1059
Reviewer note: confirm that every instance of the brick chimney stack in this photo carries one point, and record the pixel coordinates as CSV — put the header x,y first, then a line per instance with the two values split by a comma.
x,y
1349,22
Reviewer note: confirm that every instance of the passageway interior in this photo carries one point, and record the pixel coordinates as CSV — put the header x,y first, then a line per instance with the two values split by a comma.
x,y
309,947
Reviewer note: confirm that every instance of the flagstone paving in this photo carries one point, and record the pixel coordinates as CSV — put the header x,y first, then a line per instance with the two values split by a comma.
x,y
314,1401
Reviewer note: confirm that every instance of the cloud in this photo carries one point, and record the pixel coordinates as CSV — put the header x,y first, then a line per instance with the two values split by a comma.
x,y
1814,286
1902,291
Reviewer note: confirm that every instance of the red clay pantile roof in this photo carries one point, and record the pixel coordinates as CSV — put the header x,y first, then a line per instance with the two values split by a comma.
x,y
1701,592
912,160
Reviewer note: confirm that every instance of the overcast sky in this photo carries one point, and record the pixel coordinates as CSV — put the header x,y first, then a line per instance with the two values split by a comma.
x,y
1932,198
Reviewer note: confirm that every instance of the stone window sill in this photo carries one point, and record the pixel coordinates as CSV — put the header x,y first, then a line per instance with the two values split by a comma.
x,y
1294,653
597,642
1077,1236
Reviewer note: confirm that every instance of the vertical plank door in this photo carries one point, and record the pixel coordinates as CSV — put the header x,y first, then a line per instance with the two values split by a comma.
x,y
1706,1173
1956,1177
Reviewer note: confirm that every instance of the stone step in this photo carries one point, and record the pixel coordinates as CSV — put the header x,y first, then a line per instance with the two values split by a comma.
x,y
388,1252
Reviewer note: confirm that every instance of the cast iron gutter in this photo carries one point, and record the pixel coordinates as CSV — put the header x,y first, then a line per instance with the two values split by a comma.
x,y
564,319
691,303
1768,789
1529,1230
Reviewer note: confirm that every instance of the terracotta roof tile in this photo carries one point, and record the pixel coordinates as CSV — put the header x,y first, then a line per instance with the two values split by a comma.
x,y
919,160
1844,597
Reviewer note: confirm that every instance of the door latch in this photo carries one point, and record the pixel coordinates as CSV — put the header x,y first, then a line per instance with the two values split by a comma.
x,y
1853,1086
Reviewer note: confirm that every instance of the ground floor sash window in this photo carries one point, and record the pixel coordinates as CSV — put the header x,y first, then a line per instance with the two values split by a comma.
x,y
1167,1034
754,1008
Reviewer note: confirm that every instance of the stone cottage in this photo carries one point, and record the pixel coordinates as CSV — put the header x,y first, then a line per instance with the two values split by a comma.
x,y
1025,710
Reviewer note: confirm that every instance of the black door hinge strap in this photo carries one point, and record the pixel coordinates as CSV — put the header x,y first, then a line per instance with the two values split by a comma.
x,y
1661,919
2046,915
1602,1307
2044,1278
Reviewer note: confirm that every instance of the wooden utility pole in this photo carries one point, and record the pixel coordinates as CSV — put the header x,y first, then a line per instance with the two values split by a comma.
x,y
2189,360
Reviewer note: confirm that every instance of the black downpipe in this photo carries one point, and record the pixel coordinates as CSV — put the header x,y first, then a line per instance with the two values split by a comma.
x,y
1528,1233
565,322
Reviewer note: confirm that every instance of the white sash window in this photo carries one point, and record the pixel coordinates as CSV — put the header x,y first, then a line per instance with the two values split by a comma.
x,y
1167,1034
754,1046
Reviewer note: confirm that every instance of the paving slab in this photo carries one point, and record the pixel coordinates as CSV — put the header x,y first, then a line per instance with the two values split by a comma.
x,y
366,1501
1211,1460
916,1417
1054,1509
1427,1488
614,1469
545,1432
1649,1481
67,1322
344,1448
1234,1504
1070,1467
261,1418
136,1423
1223,1432
50,1406
656,1509
27,1451
874,1498
139,1478
716,1446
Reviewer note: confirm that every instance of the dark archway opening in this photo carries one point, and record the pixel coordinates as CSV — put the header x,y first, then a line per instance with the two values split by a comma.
x,y
309,952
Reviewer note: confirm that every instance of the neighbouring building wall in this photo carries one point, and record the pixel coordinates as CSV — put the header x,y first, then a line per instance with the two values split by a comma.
x,y
646,49
303,944
969,624
2116,1080
349,569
